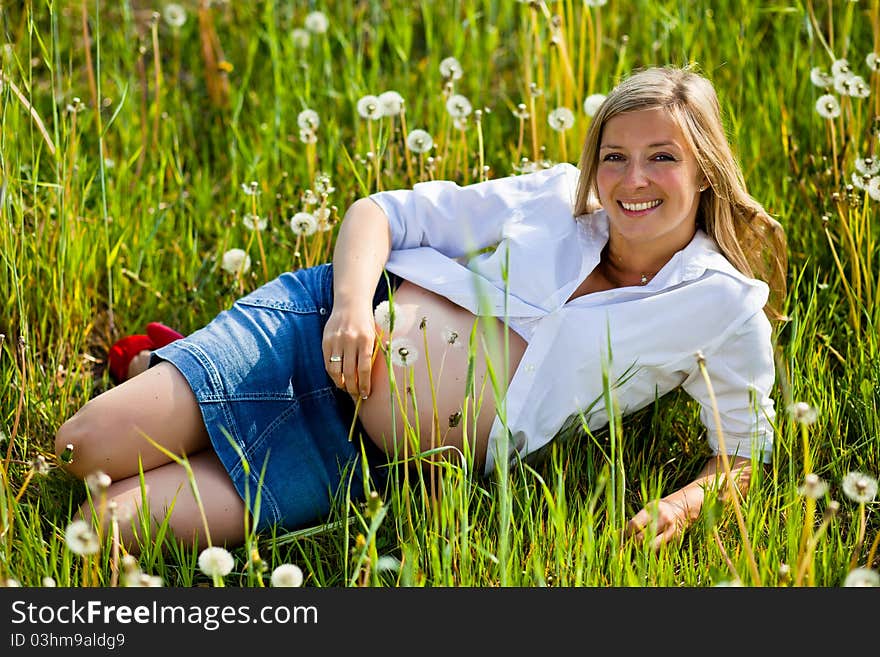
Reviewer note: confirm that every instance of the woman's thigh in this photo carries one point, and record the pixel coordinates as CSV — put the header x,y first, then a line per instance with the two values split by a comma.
x,y
110,433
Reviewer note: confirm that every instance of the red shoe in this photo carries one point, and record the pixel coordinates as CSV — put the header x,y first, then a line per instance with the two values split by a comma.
x,y
120,354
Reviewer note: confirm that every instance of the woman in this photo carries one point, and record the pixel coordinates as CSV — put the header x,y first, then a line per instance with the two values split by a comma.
x,y
661,272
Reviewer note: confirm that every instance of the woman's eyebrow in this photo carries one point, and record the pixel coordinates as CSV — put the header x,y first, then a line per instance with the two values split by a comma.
x,y
661,144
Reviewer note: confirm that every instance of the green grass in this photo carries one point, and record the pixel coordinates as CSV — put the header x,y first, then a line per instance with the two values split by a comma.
x,y
122,166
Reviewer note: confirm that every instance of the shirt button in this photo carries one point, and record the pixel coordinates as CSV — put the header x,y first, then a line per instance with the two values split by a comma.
x,y
322,311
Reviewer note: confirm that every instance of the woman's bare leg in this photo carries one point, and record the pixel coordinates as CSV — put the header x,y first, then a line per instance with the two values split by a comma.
x,y
168,487
107,433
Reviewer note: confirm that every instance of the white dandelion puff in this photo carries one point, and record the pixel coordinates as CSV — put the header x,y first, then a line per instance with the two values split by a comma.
x,y
873,188
251,189
841,83
860,180
323,184
308,119
595,3
216,562
235,261
369,107
300,37
592,104
802,413
303,223
383,315
49,582
840,67
862,577
521,112
813,487
403,352
452,337
460,124
451,68
391,102
867,166
98,482
174,15
820,78
873,61
419,141
254,222
81,538
561,119
287,574
859,487
458,106
316,22
308,136
828,107
857,87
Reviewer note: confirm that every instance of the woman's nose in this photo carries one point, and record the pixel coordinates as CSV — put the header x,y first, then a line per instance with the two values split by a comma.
x,y
635,174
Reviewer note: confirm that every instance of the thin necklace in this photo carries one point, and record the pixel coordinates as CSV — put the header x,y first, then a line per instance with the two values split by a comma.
x,y
644,277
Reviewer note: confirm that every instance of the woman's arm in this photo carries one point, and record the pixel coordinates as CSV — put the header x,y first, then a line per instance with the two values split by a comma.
x,y
362,247
667,518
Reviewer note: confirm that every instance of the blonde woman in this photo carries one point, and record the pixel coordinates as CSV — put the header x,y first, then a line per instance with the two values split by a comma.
x,y
652,246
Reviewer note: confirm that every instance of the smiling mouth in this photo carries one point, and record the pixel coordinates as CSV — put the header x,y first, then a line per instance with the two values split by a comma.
x,y
640,207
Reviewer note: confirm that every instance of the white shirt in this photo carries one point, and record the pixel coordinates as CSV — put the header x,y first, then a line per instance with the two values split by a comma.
x,y
459,242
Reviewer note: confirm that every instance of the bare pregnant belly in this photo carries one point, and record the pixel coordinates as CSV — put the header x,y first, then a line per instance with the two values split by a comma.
x,y
442,343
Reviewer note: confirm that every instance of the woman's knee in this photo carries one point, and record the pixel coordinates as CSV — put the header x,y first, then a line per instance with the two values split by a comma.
x,y
74,443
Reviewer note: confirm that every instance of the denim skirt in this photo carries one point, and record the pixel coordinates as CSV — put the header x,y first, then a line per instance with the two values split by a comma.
x,y
275,418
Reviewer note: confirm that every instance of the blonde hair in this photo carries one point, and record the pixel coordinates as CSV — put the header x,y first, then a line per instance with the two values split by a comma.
x,y
748,237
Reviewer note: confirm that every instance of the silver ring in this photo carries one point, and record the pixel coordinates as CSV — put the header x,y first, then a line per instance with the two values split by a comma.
x,y
335,359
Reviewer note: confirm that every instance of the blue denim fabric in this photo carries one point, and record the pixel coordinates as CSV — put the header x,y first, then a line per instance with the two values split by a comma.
x,y
257,371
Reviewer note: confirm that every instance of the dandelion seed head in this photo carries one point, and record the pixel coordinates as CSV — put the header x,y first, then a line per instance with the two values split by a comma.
x,y
458,106
287,574
868,166
860,180
561,119
460,124
391,102
81,538
859,487
419,141
819,78
403,352
450,68
595,3
98,482
254,222
300,37
49,582
803,413
873,61
384,317
308,137
857,87
841,83
827,106
592,103
322,184
521,112
309,197
840,67
174,15
861,576
873,188
369,107
316,22
235,261
40,465
308,119
451,337
387,563
303,223
813,487
216,562
10,583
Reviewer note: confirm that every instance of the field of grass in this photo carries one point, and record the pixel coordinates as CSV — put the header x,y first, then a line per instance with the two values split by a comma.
x,y
140,143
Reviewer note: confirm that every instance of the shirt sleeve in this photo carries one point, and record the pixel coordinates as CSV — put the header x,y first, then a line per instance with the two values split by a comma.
x,y
459,221
741,371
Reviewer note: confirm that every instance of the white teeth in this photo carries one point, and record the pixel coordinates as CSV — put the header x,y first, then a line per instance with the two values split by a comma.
x,y
638,207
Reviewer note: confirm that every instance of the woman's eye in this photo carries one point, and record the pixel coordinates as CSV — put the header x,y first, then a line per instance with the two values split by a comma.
x,y
664,157
612,157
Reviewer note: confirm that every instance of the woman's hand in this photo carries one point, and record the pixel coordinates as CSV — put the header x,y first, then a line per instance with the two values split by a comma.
x,y
348,343
660,521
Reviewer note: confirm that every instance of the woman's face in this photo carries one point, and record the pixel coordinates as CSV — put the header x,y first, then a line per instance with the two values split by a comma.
x,y
648,179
